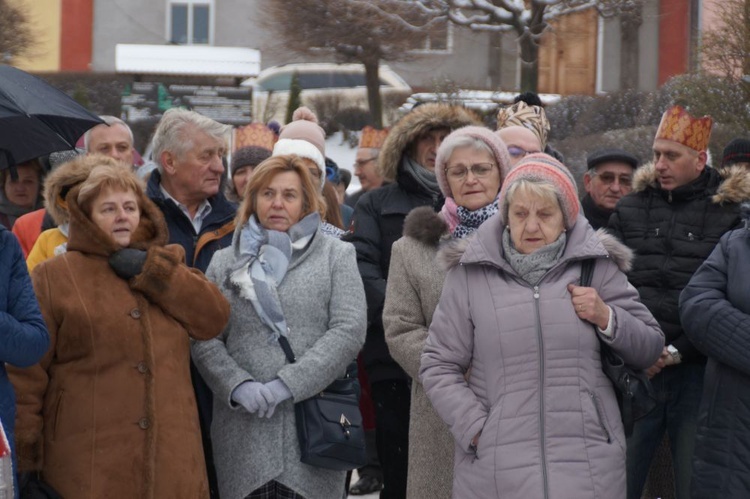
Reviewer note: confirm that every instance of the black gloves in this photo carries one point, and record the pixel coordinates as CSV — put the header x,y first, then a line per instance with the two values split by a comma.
x,y
128,262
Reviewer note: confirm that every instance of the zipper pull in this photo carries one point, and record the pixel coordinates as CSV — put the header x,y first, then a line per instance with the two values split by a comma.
x,y
536,292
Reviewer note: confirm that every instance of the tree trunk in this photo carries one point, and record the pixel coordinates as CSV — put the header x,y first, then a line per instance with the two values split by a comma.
x,y
529,63
629,48
372,80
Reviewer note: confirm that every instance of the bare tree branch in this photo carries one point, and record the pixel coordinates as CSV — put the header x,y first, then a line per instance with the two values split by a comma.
x,y
16,34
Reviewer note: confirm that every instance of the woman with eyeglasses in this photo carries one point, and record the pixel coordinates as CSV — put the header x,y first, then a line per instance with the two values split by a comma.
x,y
520,141
470,166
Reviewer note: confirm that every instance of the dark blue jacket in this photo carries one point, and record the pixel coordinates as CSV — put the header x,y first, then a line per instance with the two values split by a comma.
x,y
216,232
715,311
23,334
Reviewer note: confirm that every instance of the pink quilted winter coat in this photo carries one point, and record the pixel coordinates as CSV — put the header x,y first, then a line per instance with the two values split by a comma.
x,y
549,421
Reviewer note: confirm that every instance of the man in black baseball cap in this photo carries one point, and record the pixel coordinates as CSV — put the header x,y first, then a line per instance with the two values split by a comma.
x,y
609,177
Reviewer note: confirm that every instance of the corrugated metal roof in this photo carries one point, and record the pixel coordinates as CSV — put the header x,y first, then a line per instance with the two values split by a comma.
x,y
187,60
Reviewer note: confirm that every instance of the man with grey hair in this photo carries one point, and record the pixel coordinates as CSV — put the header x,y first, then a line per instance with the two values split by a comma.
x,y
114,138
188,149
366,164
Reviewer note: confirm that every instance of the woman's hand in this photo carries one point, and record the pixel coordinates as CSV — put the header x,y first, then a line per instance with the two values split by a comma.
x,y
254,397
588,305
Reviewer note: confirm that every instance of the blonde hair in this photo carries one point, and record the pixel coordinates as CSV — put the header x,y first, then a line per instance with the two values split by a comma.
x,y
107,174
263,175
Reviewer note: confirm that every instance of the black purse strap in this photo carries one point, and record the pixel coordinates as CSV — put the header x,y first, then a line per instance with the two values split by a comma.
x,y
287,348
587,272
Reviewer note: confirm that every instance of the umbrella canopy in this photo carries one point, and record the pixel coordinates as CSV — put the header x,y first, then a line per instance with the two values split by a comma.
x,y
36,118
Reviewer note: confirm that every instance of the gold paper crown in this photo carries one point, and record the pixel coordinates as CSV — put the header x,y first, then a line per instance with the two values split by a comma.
x,y
372,137
254,134
678,126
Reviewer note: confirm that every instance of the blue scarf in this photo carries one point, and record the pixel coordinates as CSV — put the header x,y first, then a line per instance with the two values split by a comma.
x,y
263,258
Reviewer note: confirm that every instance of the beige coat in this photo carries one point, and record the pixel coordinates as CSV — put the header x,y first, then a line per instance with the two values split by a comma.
x,y
414,285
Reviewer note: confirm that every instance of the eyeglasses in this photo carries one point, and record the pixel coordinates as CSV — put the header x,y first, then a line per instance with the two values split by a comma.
x,y
360,163
608,178
516,152
479,170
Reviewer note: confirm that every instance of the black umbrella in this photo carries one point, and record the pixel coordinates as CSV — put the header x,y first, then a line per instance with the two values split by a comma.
x,y
36,118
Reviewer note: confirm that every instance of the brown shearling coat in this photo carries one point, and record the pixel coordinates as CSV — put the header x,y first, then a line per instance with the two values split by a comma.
x,y
110,410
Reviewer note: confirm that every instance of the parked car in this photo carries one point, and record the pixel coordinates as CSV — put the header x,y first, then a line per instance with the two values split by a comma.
x,y
318,80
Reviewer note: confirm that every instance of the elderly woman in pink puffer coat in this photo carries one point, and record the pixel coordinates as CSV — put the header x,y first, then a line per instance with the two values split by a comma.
x,y
537,417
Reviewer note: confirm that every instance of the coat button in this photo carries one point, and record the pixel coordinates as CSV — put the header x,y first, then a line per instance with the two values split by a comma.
x,y
135,313
142,368
144,423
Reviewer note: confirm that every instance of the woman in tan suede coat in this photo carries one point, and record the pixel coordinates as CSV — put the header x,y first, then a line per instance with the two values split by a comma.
x,y
110,410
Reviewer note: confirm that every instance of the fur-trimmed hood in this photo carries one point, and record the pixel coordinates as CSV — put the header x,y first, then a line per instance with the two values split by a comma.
x,y
583,242
425,225
87,237
416,123
734,186
64,177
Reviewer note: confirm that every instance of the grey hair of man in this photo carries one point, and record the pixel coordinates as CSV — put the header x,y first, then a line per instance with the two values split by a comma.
x,y
110,121
174,133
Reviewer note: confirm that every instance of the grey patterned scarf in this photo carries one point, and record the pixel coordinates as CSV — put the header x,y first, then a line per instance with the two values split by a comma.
x,y
424,177
532,267
263,258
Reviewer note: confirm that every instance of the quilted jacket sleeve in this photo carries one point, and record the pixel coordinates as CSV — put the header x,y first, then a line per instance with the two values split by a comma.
x,y
447,356
715,325
637,337
24,337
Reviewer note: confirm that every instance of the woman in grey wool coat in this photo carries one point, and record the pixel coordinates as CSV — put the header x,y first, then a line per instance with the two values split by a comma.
x,y
282,277
470,166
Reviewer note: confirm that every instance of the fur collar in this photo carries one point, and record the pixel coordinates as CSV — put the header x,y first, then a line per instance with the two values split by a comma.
x,y
452,252
425,225
734,186
416,123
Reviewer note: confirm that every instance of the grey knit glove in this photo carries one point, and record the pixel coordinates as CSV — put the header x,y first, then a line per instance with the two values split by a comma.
x,y
280,393
254,397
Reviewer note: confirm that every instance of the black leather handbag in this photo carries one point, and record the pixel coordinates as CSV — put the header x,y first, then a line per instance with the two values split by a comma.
x,y
635,395
329,424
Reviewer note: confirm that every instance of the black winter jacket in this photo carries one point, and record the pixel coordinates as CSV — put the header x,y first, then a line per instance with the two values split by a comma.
x,y
715,309
216,231
378,223
672,233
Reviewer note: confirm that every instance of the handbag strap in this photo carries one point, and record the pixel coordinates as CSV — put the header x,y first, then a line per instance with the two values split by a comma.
x,y
587,272
287,348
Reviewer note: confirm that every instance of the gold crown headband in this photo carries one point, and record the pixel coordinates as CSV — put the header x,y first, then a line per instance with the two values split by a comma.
x,y
372,137
678,126
254,134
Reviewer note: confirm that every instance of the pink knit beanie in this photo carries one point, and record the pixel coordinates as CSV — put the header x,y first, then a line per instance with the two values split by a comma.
x,y
491,139
305,138
543,167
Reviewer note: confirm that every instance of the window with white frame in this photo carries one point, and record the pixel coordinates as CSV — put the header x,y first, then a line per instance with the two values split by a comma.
x,y
190,22
437,39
